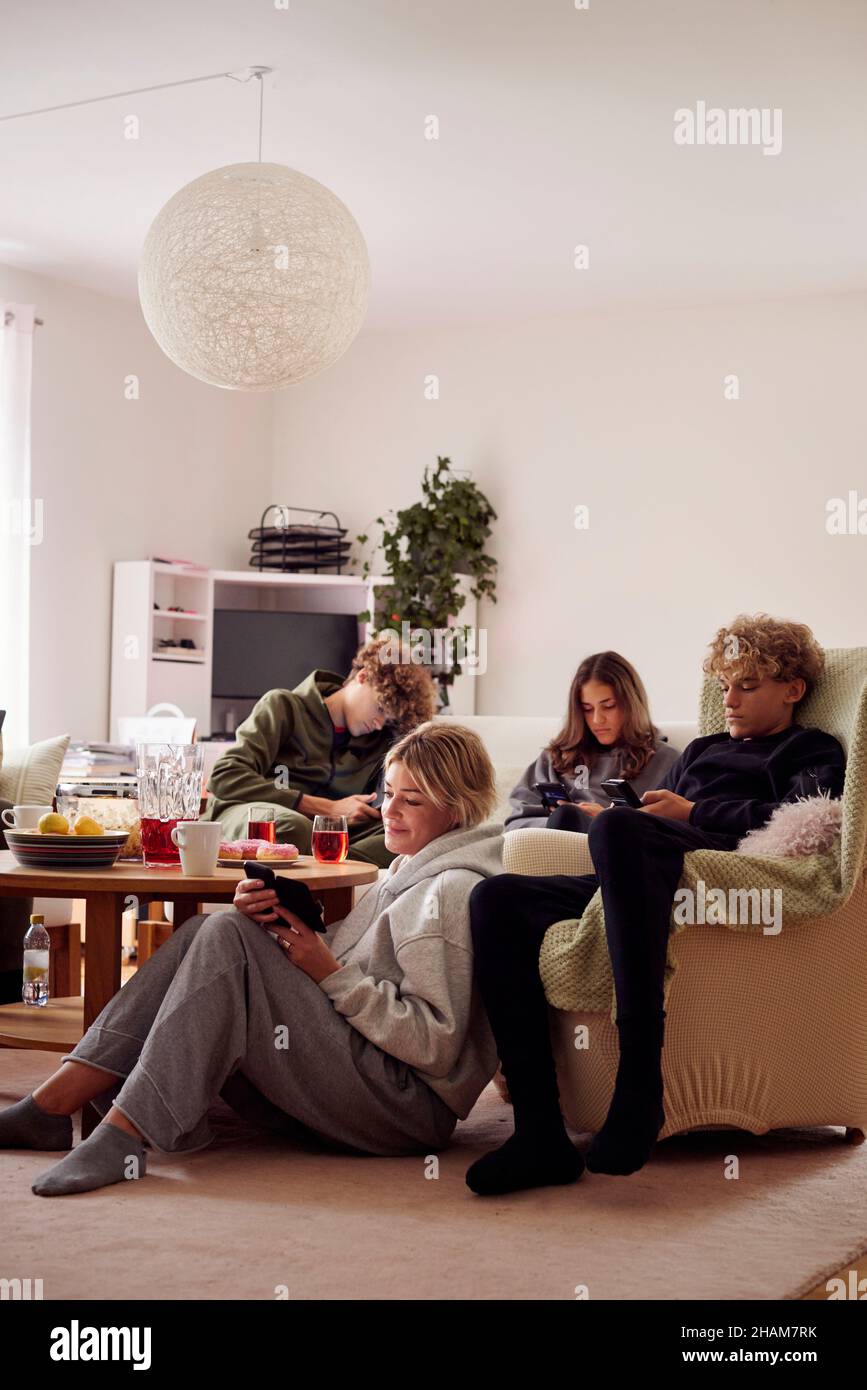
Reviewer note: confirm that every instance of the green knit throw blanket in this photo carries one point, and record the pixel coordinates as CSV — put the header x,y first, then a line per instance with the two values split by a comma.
x,y
574,963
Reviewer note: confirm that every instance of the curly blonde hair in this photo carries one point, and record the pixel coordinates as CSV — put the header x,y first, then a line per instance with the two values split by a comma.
x,y
754,647
405,690
451,766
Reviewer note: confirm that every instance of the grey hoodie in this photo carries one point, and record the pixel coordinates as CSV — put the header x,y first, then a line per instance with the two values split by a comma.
x,y
527,811
406,977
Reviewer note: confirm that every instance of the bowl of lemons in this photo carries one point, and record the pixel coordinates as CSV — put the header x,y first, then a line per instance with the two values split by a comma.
x,y
55,844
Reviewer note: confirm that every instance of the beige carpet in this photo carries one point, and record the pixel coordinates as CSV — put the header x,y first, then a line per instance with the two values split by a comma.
x,y
254,1212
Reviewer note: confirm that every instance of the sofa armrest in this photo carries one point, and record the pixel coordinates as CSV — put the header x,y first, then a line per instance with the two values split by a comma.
x,y
545,852
4,806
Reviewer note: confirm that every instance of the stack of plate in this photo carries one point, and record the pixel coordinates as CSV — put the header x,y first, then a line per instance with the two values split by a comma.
x,y
294,549
33,850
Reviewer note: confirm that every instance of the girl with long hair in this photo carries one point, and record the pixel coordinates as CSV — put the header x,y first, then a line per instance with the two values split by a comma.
x,y
608,733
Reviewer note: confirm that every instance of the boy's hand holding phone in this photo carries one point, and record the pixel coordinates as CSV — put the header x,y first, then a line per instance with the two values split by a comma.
x,y
667,804
357,809
622,793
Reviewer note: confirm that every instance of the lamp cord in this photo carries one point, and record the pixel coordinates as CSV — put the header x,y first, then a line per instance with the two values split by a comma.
x,y
160,87
261,100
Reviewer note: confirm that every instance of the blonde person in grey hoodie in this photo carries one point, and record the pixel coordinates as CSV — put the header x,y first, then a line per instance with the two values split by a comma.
x,y
371,1038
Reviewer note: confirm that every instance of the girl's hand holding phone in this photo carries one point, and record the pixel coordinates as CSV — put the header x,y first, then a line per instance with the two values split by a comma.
x,y
255,900
302,946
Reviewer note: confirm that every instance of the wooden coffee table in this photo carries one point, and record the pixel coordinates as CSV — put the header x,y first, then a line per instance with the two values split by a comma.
x,y
107,894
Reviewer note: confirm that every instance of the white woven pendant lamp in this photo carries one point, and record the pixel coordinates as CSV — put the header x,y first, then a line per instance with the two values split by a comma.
x,y
253,277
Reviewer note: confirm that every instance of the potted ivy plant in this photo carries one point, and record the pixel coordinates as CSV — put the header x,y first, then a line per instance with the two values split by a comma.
x,y
425,548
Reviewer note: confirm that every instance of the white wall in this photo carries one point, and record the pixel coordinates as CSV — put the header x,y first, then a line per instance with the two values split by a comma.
x,y
182,471
700,507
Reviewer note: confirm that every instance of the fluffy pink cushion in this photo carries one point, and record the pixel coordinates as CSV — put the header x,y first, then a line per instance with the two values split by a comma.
x,y
809,826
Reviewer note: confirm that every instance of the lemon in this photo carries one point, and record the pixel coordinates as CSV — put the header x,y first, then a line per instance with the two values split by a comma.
x,y
86,825
53,824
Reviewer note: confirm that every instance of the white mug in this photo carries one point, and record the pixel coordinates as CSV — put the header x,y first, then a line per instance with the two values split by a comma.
x,y
199,844
25,817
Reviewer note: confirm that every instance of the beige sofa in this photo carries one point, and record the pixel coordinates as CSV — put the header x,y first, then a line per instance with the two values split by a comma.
x,y
756,1038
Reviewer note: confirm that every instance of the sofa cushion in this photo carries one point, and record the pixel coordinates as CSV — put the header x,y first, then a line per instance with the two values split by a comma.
x,y
29,776
508,775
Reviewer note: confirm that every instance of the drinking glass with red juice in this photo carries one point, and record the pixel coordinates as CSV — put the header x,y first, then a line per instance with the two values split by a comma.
x,y
330,839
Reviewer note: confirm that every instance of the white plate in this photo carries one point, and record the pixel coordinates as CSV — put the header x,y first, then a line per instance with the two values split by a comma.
x,y
268,863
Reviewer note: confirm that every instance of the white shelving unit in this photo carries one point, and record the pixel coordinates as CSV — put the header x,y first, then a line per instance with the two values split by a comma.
x,y
143,674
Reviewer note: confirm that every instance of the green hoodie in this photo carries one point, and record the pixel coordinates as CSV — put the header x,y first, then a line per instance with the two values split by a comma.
x,y
292,730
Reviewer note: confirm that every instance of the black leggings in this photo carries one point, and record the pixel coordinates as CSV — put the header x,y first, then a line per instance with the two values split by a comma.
x,y
569,817
638,860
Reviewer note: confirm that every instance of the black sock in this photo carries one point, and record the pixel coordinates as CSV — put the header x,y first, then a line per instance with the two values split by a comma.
x,y
539,1154
636,1113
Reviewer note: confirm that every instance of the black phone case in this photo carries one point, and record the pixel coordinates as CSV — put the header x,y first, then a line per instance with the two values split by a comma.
x,y
557,792
627,792
291,894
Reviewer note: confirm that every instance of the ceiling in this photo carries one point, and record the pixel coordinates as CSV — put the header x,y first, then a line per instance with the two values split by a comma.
x,y
556,128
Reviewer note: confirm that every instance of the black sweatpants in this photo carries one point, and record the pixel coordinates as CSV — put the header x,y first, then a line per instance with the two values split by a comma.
x,y
638,860
569,817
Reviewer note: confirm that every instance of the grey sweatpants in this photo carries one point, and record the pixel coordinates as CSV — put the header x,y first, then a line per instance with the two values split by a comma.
x,y
220,1010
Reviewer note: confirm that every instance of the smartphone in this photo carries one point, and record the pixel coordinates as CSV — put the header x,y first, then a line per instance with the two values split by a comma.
x,y
551,793
622,793
291,894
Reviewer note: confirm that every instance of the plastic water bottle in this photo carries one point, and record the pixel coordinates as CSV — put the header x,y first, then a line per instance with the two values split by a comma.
x,y
37,945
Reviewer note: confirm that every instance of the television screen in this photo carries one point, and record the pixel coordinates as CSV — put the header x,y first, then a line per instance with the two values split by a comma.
x,y
255,651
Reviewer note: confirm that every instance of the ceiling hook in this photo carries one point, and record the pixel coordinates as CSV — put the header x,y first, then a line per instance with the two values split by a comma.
x,y
244,74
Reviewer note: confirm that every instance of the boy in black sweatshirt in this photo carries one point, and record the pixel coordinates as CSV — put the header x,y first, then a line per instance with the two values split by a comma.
x,y
720,787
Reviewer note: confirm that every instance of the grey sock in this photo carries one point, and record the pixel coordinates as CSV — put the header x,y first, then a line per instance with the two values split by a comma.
x,y
25,1126
108,1155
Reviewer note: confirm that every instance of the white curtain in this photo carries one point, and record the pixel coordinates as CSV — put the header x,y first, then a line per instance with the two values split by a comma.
x,y
21,522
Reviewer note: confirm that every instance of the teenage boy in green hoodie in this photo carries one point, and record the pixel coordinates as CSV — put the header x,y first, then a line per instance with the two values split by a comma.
x,y
318,750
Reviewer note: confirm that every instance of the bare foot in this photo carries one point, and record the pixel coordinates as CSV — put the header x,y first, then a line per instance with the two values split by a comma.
x,y
116,1117
71,1087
